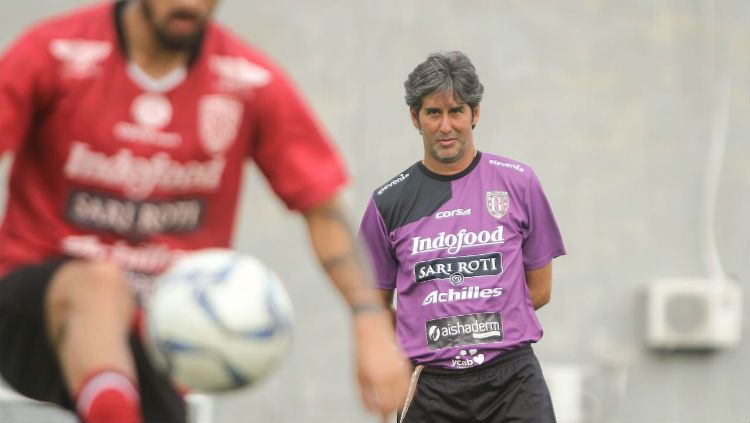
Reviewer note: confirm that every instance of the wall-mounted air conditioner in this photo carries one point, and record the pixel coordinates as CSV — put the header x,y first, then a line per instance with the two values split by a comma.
x,y
693,313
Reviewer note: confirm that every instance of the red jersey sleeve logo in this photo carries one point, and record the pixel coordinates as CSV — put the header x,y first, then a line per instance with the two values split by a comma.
x,y
237,74
80,58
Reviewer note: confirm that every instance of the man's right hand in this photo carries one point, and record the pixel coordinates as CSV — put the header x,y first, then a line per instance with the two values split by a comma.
x,y
382,370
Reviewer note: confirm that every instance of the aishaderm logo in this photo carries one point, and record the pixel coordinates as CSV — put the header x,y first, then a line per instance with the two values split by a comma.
x,y
470,329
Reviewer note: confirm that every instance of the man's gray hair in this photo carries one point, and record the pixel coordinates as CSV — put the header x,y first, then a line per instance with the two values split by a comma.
x,y
444,72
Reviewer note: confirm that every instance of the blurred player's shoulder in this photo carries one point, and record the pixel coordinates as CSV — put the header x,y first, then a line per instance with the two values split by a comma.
x,y
220,40
79,38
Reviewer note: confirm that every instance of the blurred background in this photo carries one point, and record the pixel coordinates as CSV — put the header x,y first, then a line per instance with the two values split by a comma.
x,y
634,114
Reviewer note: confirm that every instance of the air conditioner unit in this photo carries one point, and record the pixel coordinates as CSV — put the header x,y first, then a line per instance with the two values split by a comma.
x,y
694,313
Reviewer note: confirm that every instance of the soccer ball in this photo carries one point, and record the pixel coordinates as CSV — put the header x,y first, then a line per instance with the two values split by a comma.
x,y
218,320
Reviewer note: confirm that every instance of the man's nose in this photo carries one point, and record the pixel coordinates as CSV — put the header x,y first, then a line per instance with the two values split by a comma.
x,y
445,125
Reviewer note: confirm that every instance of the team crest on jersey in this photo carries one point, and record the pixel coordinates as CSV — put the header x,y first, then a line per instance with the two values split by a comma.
x,y
239,74
219,119
80,58
497,203
152,110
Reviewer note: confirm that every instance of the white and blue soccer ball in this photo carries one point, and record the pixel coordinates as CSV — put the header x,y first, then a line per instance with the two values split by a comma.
x,y
218,320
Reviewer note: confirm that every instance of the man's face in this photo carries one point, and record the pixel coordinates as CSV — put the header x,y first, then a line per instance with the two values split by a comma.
x,y
446,127
178,24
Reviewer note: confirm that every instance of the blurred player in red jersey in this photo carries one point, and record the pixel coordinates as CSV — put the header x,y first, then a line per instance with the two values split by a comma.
x,y
130,123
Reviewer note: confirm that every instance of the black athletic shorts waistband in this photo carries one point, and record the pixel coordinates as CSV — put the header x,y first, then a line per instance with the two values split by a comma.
x,y
505,357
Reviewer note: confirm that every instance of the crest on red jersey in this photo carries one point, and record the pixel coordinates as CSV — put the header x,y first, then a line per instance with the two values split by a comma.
x,y
497,203
219,120
80,58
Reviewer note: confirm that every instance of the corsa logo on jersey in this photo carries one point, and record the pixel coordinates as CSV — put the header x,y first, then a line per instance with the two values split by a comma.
x,y
450,213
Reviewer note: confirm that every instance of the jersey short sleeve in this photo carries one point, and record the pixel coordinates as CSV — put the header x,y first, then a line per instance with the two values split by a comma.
x,y
292,150
22,89
541,237
374,235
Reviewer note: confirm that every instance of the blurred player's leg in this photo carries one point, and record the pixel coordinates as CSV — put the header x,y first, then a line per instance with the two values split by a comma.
x,y
89,312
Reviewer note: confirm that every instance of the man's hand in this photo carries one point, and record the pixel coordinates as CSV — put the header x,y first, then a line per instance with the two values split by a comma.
x,y
382,370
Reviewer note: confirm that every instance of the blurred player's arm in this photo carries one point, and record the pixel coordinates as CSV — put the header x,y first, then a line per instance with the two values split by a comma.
x,y
539,282
387,296
339,255
383,372
24,74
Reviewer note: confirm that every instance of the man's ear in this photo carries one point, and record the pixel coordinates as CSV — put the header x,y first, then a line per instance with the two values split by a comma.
x,y
415,118
474,116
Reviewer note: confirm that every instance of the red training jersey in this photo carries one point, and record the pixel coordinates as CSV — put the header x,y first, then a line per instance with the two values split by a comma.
x,y
111,163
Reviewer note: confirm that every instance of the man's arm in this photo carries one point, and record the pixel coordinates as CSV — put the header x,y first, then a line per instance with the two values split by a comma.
x,y
383,372
25,76
539,282
387,296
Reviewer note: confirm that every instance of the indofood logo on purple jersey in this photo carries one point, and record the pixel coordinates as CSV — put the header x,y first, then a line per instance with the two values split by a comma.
x,y
470,329
453,243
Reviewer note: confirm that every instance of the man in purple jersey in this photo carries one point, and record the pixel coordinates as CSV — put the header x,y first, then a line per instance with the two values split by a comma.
x,y
466,240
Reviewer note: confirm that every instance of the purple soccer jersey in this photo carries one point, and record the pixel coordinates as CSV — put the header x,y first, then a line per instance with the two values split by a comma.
x,y
455,249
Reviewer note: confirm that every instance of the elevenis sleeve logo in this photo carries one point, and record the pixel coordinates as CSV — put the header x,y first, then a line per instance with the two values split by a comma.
x,y
470,329
400,178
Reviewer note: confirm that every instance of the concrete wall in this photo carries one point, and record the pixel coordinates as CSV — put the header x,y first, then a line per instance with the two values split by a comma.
x,y
615,104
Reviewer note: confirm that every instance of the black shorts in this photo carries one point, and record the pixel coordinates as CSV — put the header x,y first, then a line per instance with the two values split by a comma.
x,y
511,388
28,362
